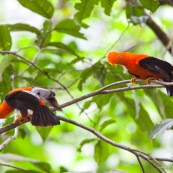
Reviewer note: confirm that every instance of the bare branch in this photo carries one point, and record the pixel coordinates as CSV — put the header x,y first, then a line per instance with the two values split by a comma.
x,y
9,139
107,90
103,90
140,163
11,166
166,2
34,65
162,36
42,71
137,153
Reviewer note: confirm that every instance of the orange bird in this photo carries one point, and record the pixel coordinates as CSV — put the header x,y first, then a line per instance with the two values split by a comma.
x,y
144,67
34,99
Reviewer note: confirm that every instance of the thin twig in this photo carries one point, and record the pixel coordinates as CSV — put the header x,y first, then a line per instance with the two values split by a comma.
x,y
116,40
106,90
9,139
102,90
162,36
34,65
96,133
43,72
140,163
11,166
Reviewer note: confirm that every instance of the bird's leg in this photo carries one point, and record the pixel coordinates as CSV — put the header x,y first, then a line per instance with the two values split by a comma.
x,y
149,79
133,80
18,120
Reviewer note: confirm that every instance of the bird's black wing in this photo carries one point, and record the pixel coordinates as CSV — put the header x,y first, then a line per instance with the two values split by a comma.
x,y
22,101
43,116
159,67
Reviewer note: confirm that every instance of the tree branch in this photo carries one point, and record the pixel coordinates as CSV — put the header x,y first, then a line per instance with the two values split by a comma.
x,y
42,71
106,90
11,166
137,153
166,2
162,36
140,163
103,90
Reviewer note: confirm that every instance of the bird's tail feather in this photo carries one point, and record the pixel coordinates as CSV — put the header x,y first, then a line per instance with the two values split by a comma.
x,y
169,90
43,116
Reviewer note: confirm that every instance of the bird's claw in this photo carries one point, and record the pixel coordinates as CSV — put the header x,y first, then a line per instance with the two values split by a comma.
x,y
133,80
147,81
18,120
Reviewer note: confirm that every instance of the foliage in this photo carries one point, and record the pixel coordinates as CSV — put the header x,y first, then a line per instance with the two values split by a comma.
x,y
67,53
164,125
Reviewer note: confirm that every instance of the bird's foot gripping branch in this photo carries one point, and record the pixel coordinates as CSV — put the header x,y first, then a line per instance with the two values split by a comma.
x,y
42,96
144,67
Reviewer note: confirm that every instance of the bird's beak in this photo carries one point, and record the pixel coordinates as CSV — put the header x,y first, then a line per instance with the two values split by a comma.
x,y
52,101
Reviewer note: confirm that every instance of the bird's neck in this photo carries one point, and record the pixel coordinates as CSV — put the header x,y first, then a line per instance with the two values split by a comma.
x,y
5,110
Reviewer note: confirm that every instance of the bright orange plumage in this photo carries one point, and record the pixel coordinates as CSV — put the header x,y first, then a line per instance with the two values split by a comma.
x,y
143,66
6,109
24,99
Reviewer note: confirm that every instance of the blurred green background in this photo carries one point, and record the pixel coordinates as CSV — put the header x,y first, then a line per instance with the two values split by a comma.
x,y
67,41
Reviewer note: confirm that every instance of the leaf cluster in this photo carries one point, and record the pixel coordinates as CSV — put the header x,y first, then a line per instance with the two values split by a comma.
x,y
52,57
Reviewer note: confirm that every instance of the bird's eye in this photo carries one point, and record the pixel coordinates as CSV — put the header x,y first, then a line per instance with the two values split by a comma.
x,y
119,56
52,94
38,93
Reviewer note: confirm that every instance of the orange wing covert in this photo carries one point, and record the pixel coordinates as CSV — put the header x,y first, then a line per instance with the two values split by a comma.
x,y
144,67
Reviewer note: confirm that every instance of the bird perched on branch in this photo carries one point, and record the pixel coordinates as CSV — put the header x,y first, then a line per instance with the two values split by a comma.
x,y
33,99
144,67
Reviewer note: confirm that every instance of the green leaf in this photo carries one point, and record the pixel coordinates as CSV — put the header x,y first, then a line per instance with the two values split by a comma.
x,y
44,132
106,123
41,7
102,100
135,14
151,5
69,26
162,102
45,35
143,121
63,170
107,5
20,171
4,64
5,38
85,141
101,151
23,27
84,76
63,47
160,128
84,8
99,72
87,104
43,166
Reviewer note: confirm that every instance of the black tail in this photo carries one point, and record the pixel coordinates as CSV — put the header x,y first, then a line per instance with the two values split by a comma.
x,y
43,116
169,90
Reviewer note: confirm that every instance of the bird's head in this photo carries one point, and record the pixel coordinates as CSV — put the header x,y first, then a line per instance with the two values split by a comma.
x,y
114,58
